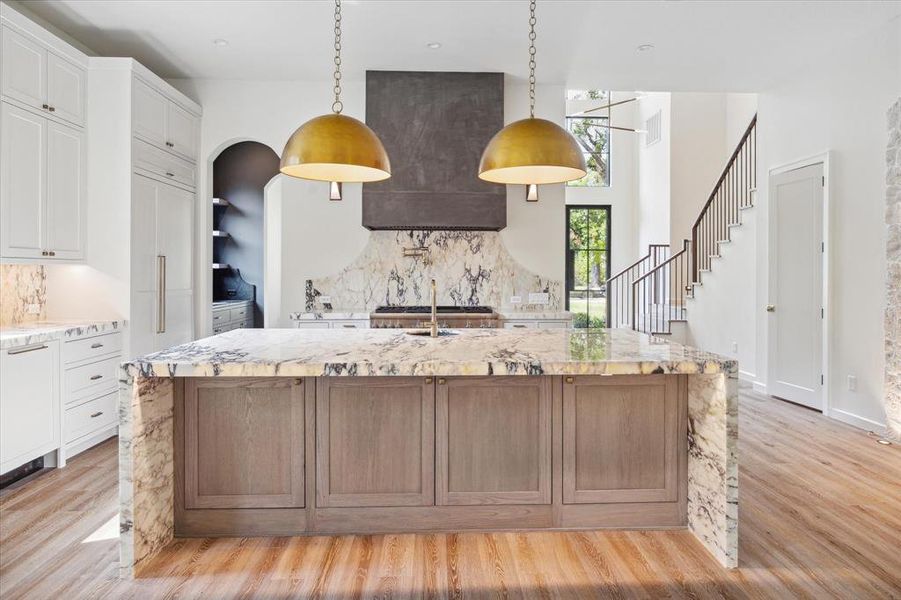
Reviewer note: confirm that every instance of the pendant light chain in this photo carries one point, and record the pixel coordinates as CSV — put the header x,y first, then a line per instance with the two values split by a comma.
x,y
532,58
337,105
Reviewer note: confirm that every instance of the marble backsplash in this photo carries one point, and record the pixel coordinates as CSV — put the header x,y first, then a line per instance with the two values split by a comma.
x,y
470,268
893,274
20,287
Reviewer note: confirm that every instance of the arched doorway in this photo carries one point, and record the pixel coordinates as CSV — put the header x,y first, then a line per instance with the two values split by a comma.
x,y
240,173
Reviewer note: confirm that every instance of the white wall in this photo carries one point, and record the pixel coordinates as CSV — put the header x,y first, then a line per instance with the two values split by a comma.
x,y
653,201
622,191
838,104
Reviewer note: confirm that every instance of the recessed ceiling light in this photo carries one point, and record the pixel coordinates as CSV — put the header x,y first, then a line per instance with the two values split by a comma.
x,y
433,45
645,47
220,42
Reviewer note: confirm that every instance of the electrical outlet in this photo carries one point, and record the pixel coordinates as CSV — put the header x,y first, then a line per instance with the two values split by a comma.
x,y
33,309
515,299
852,383
325,299
539,298
735,346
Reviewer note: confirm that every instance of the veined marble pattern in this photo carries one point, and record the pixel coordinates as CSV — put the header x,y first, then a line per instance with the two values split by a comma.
x,y
21,285
470,267
43,331
146,469
893,274
536,315
146,403
311,353
339,315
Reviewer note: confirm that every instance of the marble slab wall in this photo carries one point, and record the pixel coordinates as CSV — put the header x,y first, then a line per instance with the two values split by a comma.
x,y
21,286
470,268
893,274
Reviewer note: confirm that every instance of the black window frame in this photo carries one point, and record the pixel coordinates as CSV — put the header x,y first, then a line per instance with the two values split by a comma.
x,y
568,252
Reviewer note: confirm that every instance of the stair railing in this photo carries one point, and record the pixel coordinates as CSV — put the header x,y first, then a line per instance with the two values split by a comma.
x,y
731,193
658,296
618,288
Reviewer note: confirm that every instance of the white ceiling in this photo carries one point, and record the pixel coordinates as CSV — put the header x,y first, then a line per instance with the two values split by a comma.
x,y
699,45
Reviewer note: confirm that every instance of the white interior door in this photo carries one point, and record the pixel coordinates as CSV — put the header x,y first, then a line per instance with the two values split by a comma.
x,y
796,286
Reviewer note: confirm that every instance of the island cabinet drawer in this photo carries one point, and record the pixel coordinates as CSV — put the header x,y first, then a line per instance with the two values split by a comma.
x,y
162,164
520,325
493,440
624,439
350,324
311,325
375,441
240,313
90,417
220,317
244,443
92,347
95,375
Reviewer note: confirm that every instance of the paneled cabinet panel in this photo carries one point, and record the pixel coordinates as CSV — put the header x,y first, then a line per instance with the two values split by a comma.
x,y
181,130
493,440
149,113
244,443
622,439
375,441
23,150
65,89
66,191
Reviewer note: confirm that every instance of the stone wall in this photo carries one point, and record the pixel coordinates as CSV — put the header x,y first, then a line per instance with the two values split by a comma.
x,y
893,274
21,286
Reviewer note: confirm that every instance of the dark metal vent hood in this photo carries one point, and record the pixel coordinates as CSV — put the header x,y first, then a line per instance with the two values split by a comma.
x,y
434,127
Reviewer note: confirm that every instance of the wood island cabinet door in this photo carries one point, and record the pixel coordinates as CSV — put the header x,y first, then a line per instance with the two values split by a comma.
x,y
244,443
375,441
623,438
493,440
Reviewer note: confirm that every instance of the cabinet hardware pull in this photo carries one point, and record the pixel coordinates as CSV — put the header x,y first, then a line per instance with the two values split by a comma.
x,y
44,253
168,174
96,414
569,380
519,326
346,326
52,253
45,106
97,345
161,294
52,109
298,381
428,380
441,381
24,350
96,377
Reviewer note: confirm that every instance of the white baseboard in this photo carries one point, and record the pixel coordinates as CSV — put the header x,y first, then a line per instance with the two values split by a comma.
x,y
80,445
759,387
856,421
746,376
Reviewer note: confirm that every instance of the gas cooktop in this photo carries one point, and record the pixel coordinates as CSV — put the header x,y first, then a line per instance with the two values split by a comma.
x,y
428,309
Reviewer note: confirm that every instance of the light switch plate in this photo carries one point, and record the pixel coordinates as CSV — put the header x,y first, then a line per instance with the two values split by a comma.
x,y
325,299
735,346
515,299
852,383
539,298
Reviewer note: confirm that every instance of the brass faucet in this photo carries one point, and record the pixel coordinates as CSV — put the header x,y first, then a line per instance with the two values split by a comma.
x,y
433,324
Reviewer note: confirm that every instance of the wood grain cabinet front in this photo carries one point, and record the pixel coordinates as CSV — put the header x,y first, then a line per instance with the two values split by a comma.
x,y
375,441
623,439
244,443
493,441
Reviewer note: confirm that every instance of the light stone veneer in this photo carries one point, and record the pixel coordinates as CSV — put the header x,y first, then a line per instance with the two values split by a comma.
x,y
893,274
146,403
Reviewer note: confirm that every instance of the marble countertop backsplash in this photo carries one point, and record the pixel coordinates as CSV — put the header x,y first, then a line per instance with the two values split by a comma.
x,y
35,332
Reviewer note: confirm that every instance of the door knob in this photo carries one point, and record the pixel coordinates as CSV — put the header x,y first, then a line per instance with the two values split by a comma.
x,y
771,308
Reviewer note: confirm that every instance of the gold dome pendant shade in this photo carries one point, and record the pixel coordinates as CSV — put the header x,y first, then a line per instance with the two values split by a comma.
x,y
532,151
335,147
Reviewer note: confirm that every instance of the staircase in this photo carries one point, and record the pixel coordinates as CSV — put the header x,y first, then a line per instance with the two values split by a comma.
x,y
650,295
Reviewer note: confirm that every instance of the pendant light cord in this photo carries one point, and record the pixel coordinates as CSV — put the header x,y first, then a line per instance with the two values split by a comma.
x,y
337,105
532,58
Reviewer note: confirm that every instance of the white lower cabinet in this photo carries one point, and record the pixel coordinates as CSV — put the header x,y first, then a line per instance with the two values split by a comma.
x,y
237,314
538,324
29,403
333,324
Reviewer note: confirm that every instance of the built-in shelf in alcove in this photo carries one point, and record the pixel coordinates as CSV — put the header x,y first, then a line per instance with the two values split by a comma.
x,y
220,234
220,202
220,266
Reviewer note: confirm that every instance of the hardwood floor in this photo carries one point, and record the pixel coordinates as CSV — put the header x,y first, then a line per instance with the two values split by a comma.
x,y
820,518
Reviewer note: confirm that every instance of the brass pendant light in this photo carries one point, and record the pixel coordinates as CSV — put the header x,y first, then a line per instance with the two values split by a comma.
x,y
335,147
532,151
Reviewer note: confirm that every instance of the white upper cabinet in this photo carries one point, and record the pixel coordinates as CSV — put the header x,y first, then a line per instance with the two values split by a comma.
x,y
64,222
40,79
23,141
65,89
163,123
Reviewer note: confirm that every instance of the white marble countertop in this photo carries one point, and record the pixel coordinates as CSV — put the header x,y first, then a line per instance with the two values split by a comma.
x,y
36,332
309,353
333,315
537,315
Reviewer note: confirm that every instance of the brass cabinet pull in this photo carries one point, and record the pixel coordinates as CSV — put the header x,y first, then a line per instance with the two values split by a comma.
x,y
570,380
45,106
96,414
161,294
52,109
771,308
441,381
428,380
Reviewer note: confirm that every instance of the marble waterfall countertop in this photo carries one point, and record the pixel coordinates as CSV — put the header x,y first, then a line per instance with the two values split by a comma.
x,y
24,334
310,353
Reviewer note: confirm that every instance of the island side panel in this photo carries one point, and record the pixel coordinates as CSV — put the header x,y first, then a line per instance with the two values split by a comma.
x,y
146,469
713,463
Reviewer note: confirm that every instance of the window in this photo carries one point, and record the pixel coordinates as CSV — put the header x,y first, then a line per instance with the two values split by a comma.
x,y
602,95
587,263
593,136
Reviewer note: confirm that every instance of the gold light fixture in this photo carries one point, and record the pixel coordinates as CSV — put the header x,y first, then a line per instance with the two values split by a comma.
x,y
335,147
532,151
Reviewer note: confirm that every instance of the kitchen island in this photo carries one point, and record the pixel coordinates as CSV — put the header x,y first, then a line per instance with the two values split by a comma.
x,y
290,432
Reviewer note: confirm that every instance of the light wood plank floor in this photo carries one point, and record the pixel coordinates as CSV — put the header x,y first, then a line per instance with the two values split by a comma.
x,y
820,518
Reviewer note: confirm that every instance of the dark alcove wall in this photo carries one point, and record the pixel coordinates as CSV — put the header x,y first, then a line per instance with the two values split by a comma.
x,y
240,173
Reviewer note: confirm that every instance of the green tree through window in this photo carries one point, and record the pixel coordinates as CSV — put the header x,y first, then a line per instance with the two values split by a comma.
x,y
587,263
593,137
